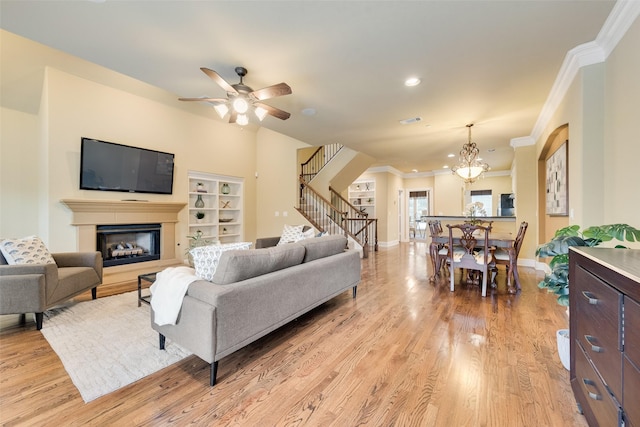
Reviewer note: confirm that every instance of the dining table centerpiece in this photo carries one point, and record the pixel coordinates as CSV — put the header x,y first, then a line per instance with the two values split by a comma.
x,y
472,213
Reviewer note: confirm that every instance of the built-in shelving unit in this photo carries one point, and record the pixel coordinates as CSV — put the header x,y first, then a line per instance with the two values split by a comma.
x,y
220,199
362,195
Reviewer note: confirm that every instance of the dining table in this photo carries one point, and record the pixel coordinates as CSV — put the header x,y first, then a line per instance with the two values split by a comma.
x,y
497,239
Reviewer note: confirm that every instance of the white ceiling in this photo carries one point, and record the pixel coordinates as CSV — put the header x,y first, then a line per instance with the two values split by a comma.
x,y
491,63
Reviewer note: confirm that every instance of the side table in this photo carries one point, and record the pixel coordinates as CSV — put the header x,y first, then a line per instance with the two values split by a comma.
x,y
148,277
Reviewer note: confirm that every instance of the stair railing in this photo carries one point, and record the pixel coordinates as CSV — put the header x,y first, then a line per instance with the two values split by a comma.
x,y
320,157
358,221
328,218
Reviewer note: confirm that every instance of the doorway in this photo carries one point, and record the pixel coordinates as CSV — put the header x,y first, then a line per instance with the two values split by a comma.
x,y
418,210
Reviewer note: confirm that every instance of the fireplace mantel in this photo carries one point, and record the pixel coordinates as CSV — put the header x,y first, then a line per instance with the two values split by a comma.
x,y
87,214
92,212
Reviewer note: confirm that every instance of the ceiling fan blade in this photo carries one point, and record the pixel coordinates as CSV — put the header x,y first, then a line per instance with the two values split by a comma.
x,y
221,82
232,116
272,91
218,100
273,111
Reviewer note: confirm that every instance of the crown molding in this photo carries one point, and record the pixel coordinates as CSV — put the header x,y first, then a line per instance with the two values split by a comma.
x,y
622,16
523,141
388,169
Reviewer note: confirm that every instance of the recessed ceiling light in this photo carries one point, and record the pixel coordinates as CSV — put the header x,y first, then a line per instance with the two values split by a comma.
x,y
451,155
412,81
414,170
445,167
309,111
491,150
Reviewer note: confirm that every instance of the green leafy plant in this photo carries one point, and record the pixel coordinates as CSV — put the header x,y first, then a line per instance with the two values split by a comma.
x,y
196,241
558,247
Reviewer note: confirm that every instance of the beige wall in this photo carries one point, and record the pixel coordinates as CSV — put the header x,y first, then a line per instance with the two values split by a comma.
x,y
448,197
277,182
41,153
601,108
19,179
525,189
620,199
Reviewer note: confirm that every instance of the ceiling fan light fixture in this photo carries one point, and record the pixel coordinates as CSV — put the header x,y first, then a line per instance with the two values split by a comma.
x,y
242,120
241,99
470,166
221,109
261,113
240,105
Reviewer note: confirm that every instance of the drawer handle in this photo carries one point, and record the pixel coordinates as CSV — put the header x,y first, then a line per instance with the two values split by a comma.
x,y
587,382
590,297
594,347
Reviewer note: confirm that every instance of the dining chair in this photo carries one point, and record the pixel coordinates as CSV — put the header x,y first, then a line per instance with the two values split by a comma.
x,y
438,251
469,249
501,255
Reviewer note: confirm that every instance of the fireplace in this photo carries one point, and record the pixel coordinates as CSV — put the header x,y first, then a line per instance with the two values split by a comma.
x,y
128,243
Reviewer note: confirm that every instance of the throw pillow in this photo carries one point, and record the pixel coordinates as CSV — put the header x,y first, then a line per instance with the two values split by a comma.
x,y
290,234
28,250
206,258
309,233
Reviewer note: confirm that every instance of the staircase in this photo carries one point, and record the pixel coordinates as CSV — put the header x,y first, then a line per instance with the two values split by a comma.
x,y
335,216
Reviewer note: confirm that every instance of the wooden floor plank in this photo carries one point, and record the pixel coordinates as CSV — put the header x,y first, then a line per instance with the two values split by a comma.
x,y
405,352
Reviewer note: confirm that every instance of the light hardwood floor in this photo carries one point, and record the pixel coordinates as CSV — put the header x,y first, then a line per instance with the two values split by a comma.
x,y
405,352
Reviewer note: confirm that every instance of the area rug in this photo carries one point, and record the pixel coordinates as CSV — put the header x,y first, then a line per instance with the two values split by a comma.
x,y
107,343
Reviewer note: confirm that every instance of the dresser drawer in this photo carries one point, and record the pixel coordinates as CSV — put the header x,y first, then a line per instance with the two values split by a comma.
x,y
601,405
631,396
598,330
632,331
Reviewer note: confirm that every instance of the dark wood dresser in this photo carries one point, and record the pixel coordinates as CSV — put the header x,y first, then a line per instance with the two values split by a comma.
x,y
604,304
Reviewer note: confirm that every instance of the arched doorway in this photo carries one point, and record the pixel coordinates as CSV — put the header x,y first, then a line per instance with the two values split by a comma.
x,y
549,223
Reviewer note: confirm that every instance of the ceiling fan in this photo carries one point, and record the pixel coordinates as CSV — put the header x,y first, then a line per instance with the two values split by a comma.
x,y
241,98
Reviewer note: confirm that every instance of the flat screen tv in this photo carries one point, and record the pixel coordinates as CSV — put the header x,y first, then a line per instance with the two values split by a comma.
x,y
106,166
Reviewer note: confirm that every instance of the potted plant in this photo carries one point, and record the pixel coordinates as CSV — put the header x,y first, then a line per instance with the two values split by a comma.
x,y
196,241
558,247
199,216
558,280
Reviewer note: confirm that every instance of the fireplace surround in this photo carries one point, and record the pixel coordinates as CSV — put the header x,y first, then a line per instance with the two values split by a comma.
x,y
128,243
87,215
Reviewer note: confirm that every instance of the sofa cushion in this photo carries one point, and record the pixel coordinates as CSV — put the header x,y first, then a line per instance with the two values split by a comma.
x,y
28,250
206,258
235,266
320,247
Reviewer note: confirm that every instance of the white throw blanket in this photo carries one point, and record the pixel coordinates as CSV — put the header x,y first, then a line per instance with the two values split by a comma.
x,y
168,291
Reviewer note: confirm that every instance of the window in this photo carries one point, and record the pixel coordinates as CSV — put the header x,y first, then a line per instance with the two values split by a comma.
x,y
484,197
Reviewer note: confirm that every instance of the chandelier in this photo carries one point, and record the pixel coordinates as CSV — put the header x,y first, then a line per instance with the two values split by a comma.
x,y
470,167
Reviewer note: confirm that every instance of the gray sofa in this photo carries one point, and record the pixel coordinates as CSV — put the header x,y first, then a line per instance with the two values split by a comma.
x,y
254,292
34,288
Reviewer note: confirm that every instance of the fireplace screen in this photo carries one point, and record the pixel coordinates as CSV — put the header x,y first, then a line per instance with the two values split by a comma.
x,y
128,243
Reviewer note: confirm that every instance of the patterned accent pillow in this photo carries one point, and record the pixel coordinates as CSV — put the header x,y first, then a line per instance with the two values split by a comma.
x,y
290,234
28,250
206,258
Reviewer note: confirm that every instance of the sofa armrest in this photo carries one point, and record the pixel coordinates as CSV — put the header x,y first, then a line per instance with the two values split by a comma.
x,y
22,293
50,271
267,242
80,259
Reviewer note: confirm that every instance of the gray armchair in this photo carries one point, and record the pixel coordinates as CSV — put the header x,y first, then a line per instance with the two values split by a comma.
x,y
34,288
